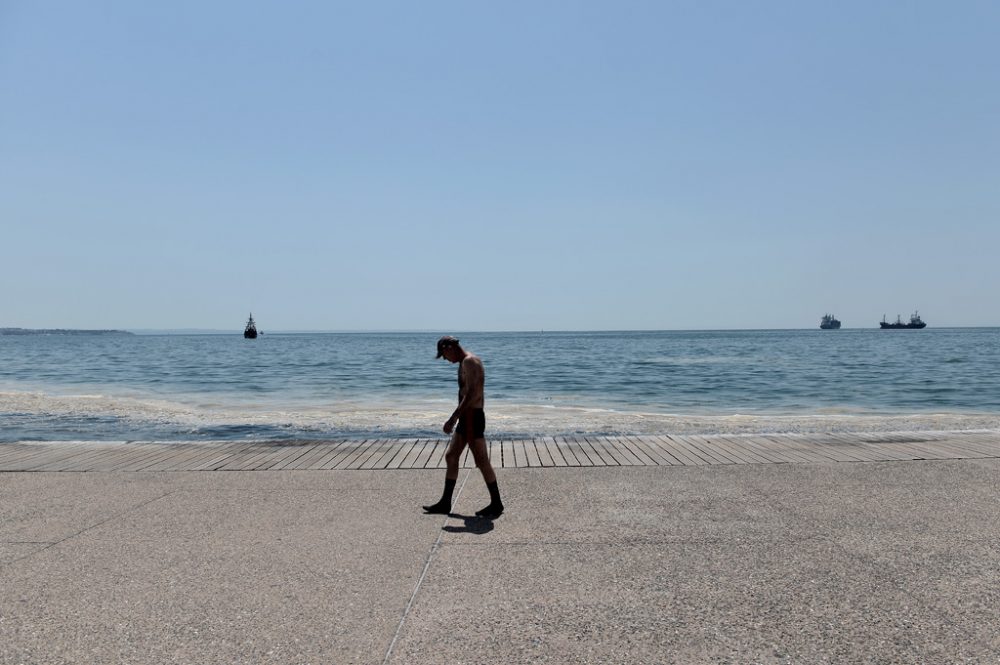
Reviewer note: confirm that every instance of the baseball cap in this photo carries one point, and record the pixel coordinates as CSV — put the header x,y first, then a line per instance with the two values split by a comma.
x,y
444,343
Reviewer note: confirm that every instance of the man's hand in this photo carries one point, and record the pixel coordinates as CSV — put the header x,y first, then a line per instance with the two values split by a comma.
x,y
449,426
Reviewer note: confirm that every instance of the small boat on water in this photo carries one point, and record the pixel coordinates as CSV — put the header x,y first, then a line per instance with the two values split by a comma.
x,y
915,322
250,332
829,322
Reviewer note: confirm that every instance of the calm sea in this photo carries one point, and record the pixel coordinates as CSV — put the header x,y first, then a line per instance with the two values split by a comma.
x,y
314,386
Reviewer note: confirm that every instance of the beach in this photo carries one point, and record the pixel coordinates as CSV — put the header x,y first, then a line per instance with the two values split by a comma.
x,y
777,562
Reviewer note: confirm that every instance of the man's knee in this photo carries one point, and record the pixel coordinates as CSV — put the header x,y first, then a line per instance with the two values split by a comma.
x,y
453,457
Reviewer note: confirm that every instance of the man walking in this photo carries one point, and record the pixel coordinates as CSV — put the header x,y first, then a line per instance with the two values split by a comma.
x,y
470,430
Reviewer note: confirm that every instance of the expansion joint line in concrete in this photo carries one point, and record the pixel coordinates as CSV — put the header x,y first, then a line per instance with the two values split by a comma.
x,y
92,526
423,574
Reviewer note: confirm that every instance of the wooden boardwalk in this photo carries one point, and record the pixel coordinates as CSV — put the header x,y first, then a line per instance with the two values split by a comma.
x,y
566,451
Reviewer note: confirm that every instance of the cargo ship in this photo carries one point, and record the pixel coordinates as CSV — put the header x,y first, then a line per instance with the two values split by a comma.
x,y
829,322
915,322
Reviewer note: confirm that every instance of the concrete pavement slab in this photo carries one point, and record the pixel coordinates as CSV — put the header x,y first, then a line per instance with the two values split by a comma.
x,y
34,509
13,551
826,563
318,570
805,563
775,601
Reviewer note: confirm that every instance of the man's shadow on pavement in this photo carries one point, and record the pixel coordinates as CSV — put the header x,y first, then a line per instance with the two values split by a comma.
x,y
472,524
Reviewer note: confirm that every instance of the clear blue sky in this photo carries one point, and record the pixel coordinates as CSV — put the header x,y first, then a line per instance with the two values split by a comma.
x,y
498,166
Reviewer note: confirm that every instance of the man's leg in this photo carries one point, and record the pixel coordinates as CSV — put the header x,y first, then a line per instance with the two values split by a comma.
x,y
452,457
482,457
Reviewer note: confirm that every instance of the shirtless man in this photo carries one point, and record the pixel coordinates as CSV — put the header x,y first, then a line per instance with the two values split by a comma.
x,y
471,428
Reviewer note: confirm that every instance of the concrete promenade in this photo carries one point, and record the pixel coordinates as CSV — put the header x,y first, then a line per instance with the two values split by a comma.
x,y
807,562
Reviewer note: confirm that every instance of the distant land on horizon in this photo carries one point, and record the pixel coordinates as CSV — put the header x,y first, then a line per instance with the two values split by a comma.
x,y
410,331
221,331
59,331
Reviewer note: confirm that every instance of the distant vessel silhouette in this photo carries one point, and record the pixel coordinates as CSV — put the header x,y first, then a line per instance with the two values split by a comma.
x,y
915,322
829,322
250,332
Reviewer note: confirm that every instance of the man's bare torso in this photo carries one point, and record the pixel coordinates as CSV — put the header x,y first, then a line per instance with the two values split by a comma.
x,y
471,381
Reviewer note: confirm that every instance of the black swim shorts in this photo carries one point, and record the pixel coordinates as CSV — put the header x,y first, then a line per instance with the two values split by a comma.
x,y
472,425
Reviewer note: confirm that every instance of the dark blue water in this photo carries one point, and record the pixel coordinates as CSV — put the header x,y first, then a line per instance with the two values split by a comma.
x,y
175,387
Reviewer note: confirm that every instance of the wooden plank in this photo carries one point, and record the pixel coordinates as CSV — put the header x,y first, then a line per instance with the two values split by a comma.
x,y
236,462
294,455
717,452
657,455
566,451
190,463
959,448
802,449
611,447
520,461
165,455
31,456
584,451
681,449
404,449
183,462
45,460
863,451
37,457
81,463
22,452
747,448
837,447
705,451
125,457
918,451
415,453
749,456
635,450
982,446
554,452
603,450
433,446
13,451
350,458
507,454
656,447
438,460
305,451
544,454
531,453
279,450
334,455
250,459
774,454
392,452
809,451
375,458
224,452
320,455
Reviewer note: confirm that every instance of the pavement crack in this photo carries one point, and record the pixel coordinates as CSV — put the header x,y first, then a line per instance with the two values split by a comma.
x,y
50,545
427,564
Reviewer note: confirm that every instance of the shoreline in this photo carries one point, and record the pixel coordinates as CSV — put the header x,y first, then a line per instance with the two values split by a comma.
x,y
96,417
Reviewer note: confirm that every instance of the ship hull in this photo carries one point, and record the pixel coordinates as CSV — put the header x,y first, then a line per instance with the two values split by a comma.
x,y
902,326
830,326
